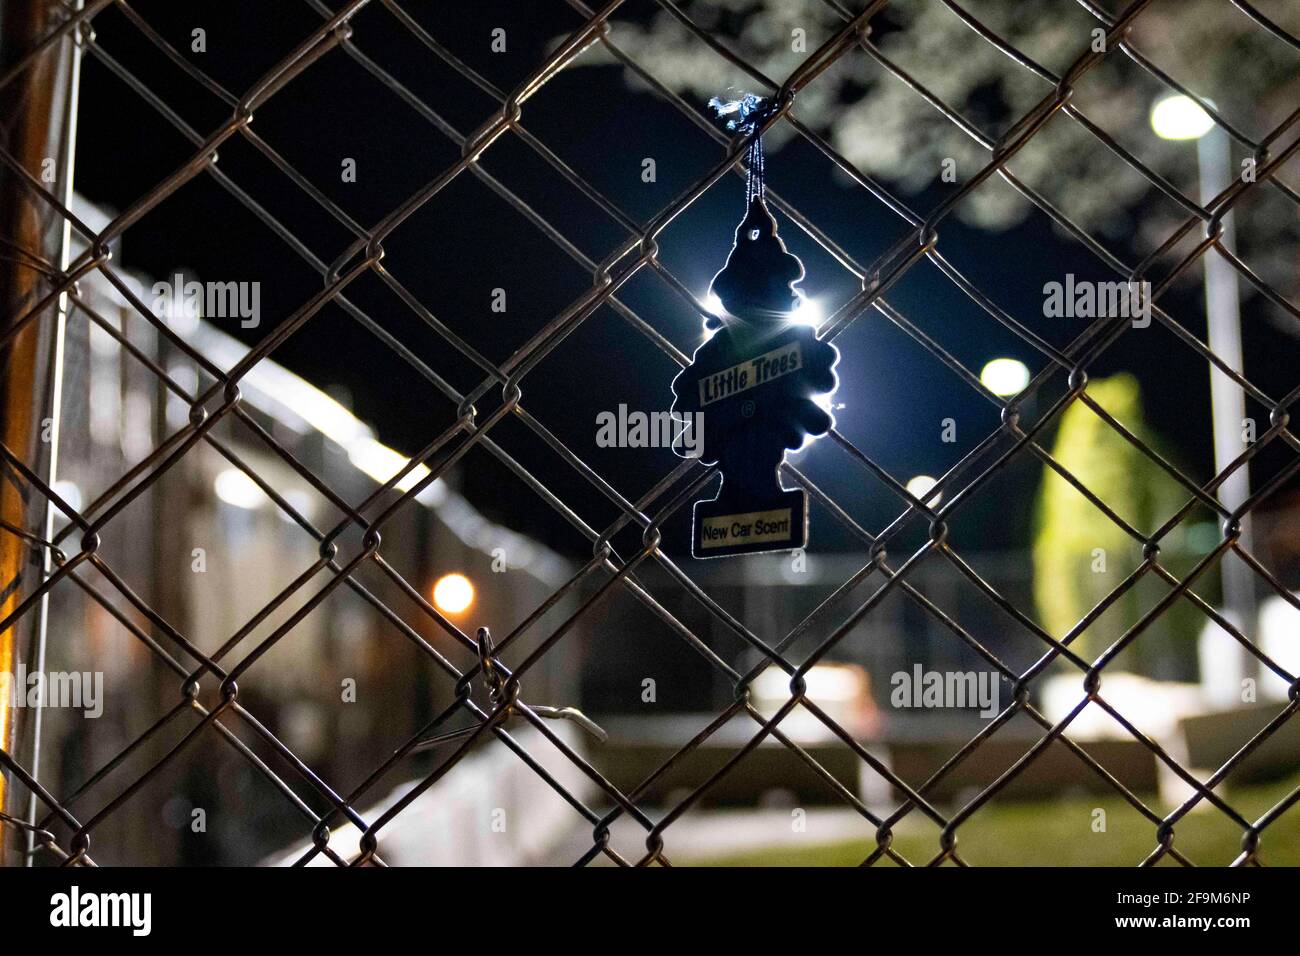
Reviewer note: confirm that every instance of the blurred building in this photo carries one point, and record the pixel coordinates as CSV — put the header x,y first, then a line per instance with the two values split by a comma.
x,y
206,548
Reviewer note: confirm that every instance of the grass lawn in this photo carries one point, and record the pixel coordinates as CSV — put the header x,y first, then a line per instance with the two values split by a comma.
x,y
1061,833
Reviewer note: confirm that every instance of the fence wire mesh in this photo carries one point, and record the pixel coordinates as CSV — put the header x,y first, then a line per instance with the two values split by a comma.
x,y
207,698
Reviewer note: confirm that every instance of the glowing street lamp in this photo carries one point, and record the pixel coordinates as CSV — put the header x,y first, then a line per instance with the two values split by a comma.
x,y
453,593
1180,117
922,485
808,312
235,488
1005,377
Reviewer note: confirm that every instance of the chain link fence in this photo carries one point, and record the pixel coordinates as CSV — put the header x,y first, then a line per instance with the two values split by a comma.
x,y
496,685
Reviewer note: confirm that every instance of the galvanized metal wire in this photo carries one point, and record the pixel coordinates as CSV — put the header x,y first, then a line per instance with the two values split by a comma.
x,y
503,391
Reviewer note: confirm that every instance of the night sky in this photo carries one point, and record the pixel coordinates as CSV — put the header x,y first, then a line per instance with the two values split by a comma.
x,y
468,241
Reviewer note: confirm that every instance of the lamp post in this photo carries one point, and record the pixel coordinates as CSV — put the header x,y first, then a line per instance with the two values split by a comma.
x,y
1180,117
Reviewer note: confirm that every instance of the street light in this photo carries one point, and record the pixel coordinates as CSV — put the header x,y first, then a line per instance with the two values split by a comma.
x,y
807,312
453,593
1180,117
234,487
922,485
1005,377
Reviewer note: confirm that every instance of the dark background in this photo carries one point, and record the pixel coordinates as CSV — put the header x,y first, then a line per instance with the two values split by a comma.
x,y
467,241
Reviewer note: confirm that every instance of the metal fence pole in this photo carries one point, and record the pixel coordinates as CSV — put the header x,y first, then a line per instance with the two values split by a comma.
x,y
41,101
1227,406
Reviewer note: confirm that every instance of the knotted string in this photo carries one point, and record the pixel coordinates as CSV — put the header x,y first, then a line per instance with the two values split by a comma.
x,y
745,115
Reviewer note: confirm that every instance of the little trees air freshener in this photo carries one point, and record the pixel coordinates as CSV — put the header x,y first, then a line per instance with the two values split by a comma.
x,y
755,380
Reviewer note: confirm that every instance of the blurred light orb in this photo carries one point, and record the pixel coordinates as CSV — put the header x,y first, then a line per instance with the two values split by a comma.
x,y
1180,117
808,312
1004,376
453,593
922,485
235,488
